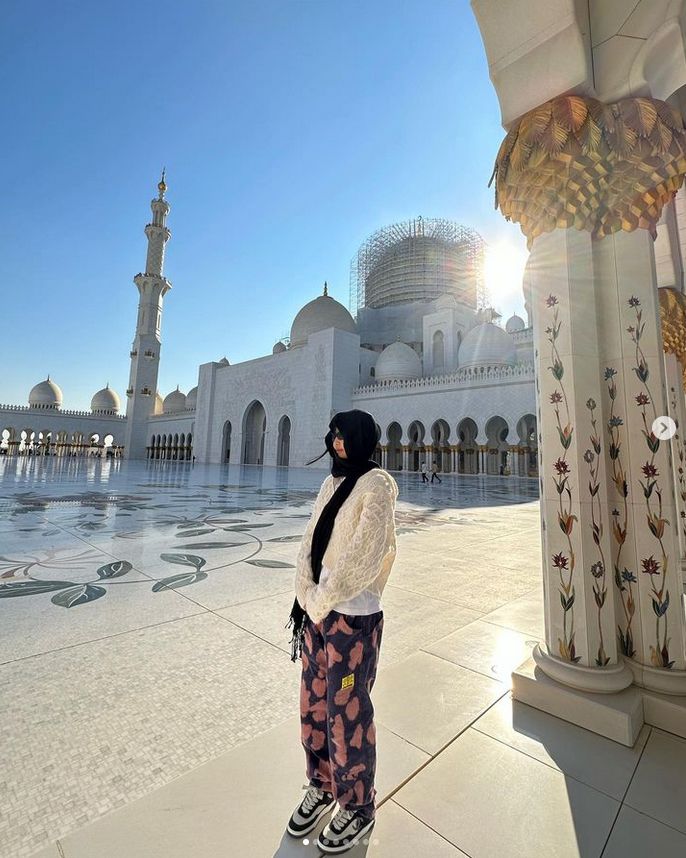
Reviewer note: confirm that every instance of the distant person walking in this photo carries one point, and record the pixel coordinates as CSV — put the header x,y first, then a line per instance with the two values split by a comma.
x,y
434,473
425,478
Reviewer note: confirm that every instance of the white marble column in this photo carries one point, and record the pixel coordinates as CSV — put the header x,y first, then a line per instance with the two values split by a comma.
x,y
581,648
675,404
648,583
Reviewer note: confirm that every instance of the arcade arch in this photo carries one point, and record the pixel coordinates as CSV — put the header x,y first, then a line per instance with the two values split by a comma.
x,y
254,430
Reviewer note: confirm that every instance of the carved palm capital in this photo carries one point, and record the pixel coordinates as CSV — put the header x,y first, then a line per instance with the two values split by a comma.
x,y
673,323
575,162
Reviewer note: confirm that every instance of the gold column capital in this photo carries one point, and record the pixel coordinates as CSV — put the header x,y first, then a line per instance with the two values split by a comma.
x,y
576,162
673,323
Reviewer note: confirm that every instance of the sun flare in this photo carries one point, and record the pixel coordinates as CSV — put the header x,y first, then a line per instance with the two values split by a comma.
x,y
503,272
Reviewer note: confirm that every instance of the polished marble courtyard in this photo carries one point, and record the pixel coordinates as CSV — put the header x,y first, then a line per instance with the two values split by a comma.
x,y
149,707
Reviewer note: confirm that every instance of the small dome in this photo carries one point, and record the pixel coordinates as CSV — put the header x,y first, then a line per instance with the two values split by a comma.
x,y
223,362
279,347
174,402
397,361
319,315
159,404
486,345
46,394
105,401
514,323
192,398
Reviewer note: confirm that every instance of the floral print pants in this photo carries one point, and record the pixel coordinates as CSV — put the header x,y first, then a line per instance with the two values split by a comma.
x,y
339,660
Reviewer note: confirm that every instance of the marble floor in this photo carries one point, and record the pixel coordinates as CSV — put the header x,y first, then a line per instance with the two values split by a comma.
x,y
148,703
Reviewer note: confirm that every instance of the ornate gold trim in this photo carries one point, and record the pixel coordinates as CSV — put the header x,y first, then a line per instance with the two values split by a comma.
x,y
673,324
575,162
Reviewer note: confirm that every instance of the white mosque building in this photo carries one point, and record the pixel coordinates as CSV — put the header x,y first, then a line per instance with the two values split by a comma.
x,y
444,382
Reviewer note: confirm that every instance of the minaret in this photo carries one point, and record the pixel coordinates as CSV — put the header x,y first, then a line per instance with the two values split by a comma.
x,y
145,353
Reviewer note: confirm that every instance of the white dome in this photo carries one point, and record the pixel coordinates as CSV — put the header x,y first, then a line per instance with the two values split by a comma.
x,y
105,401
192,398
397,361
278,348
318,315
159,404
514,323
46,394
486,345
174,402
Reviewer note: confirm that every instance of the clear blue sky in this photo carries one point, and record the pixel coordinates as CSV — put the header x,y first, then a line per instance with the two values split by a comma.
x,y
290,129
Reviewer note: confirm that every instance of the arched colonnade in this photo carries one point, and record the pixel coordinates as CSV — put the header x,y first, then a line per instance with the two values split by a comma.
x,y
455,449
31,441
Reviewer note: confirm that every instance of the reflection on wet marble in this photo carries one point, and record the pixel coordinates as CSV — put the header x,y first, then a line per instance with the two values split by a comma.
x,y
142,608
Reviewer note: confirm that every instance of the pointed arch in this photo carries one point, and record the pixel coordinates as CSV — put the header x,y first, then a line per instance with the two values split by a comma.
x,y
284,442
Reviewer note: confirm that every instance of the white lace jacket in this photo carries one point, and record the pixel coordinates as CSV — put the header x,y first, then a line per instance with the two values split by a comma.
x,y
361,550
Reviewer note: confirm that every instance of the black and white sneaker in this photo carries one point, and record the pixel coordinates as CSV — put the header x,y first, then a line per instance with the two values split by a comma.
x,y
310,810
344,831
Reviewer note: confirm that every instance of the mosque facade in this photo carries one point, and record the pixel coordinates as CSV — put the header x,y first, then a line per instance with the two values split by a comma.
x,y
444,381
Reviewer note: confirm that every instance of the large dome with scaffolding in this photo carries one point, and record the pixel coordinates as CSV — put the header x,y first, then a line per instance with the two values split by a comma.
x,y
418,260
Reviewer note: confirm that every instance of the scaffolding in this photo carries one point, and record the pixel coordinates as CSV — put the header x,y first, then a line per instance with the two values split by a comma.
x,y
418,260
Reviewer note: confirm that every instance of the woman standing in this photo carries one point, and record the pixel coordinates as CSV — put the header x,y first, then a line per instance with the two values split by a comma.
x,y
344,562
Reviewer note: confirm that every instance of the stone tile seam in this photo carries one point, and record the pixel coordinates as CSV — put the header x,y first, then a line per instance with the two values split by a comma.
x,y
464,667
553,767
622,802
433,757
503,626
445,601
256,599
653,731
105,637
426,825
279,649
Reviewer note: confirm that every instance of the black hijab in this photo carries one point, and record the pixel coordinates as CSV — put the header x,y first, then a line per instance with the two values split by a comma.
x,y
360,437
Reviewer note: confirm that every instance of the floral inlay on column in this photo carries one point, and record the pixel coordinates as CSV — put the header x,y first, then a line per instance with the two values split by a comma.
x,y
624,578
673,326
598,569
652,492
564,563
681,461
580,176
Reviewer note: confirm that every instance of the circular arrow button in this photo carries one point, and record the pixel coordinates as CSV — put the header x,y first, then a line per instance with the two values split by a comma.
x,y
664,428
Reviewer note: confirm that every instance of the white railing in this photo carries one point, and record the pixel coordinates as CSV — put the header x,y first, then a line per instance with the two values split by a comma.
x,y
460,378
180,415
61,411
524,336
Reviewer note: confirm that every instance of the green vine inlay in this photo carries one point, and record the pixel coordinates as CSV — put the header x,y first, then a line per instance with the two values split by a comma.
x,y
624,578
680,468
598,569
564,563
657,569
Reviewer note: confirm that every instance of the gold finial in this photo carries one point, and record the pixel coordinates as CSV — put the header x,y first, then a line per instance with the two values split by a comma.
x,y
162,187
326,289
